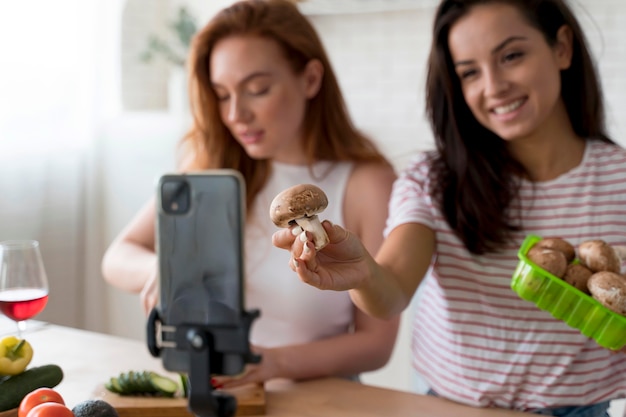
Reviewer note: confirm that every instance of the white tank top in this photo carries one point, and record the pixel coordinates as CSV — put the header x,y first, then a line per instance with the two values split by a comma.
x,y
292,312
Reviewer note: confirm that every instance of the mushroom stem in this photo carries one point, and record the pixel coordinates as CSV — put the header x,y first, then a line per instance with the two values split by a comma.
x,y
314,226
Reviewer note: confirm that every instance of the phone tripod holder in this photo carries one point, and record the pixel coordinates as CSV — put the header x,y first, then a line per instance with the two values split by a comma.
x,y
212,349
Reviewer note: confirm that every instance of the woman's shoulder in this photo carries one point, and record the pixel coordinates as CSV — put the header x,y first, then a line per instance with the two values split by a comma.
x,y
605,155
419,165
601,148
373,168
370,182
366,174
366,200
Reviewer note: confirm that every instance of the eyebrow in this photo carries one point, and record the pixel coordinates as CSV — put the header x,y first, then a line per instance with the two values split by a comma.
x,y
247,78
495,50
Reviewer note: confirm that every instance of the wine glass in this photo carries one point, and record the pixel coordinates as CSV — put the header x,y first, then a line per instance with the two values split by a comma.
x,y
23,281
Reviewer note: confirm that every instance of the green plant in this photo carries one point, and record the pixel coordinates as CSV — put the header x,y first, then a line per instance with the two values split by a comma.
x,y
184,28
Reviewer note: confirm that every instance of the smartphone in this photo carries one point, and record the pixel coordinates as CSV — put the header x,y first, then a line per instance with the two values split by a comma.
x,y
199,238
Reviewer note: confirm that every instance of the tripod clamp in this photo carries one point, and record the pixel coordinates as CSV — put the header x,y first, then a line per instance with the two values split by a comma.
x,y
207,345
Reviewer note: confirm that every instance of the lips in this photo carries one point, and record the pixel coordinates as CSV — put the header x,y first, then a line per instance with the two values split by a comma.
x,y
509,107
250,137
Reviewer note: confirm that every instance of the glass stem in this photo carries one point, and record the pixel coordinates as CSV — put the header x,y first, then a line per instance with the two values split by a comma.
x,y
21,327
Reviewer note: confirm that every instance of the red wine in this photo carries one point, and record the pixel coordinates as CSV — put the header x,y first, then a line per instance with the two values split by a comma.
x,y
22,303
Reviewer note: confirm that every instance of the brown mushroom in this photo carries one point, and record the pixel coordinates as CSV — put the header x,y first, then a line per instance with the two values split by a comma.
x,y
609,288
620,251
300,204
559,244
578,275
553,261
598,255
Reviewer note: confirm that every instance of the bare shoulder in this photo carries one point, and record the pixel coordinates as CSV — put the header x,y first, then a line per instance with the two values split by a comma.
x,y
366,201
372,175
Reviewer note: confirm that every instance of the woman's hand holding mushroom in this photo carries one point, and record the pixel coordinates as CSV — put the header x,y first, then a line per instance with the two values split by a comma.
x,y
343,263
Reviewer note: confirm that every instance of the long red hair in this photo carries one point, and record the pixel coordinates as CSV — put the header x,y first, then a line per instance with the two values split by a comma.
x,y
329,133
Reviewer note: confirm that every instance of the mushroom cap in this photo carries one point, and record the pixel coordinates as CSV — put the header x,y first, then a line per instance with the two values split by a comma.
x,y
578,276
610,289
302,200
598,255
551,260
559,244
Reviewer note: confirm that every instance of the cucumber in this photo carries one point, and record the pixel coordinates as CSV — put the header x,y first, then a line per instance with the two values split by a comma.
x,y
113,385
126,382
184,382
163,385
142,383
15,388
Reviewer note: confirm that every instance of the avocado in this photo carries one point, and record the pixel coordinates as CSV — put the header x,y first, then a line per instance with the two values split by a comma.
x,y
94,408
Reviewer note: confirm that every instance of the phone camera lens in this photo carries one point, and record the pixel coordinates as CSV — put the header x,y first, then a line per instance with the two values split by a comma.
x,y
175,196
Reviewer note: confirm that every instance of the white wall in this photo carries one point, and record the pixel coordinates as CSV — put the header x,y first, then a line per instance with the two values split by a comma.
x,y
135,149
380,60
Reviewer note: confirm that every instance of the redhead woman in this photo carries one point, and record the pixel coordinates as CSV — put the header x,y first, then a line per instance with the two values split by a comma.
x,y
266,102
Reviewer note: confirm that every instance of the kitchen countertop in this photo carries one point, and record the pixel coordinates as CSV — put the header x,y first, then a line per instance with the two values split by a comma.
x,y
88,359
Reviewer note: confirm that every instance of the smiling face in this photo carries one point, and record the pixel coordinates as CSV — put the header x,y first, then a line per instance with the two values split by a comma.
x,y
261,100
509,74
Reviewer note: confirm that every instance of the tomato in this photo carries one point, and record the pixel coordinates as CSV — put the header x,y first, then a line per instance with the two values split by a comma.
x,y
36,397
50,409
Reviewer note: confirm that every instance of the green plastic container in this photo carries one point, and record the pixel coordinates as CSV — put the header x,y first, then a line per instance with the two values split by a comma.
x,y
565,302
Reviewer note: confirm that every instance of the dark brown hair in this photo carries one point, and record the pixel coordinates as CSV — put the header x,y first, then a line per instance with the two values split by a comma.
x,y
473,174
329,132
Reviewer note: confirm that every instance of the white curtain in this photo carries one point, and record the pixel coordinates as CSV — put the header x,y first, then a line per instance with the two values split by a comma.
x,y
59,78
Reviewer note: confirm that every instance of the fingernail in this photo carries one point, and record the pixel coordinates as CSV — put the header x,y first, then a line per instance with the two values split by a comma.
x,y
296,230
296,264
303,237
307,249
216,384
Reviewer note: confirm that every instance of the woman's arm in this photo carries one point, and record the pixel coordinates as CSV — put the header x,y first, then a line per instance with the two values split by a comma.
x,y
404,257
348,354
382,286
400,266
130,262
381,290
370,343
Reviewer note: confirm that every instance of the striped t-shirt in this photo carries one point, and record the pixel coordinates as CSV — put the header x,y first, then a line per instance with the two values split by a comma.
x,y
474,340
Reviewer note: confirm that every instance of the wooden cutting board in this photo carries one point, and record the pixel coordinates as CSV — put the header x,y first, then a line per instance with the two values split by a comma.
x,y
250,402
9,413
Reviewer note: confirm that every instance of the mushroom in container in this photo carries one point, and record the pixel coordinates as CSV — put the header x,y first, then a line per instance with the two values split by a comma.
x,y
301,204
598,256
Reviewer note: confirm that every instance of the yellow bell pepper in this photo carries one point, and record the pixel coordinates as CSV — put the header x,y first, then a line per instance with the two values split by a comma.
x,y
15,355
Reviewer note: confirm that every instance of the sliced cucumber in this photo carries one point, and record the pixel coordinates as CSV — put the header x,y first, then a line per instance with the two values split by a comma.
x,y
142,383
113,385
163,384
184,383
125,384
133,381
